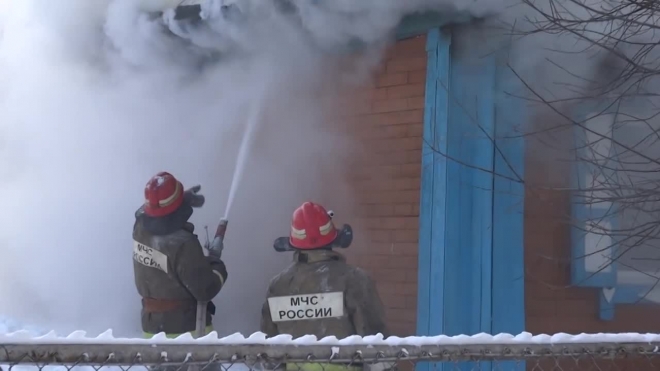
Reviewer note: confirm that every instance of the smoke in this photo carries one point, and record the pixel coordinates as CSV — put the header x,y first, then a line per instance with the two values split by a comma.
x,y
85,123
96,96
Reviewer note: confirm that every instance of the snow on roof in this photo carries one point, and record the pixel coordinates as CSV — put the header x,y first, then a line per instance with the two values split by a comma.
x,y
80,337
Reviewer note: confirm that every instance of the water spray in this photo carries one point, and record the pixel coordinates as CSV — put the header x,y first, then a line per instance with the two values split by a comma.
x,y
215,248
246,143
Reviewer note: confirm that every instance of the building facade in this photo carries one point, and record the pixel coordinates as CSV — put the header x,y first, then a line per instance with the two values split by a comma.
x,y
459,244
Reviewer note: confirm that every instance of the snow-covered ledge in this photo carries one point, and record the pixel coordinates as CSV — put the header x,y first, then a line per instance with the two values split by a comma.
x,y
258,338
106,350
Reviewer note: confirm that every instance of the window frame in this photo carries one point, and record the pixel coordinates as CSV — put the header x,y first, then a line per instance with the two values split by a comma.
x,y
612,291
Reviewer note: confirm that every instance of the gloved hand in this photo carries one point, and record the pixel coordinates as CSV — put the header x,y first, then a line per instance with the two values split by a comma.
x,y
210,307
215,250
218,241
193,198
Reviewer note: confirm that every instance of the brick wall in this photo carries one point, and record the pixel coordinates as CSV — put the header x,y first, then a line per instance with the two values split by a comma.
x,y
551,304
386,116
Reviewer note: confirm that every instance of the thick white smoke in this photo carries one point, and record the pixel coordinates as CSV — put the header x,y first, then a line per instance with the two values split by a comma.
x,y
91,107
95,97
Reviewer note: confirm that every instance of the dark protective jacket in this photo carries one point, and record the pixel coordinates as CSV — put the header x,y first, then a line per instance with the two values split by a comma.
x,y
321,295
172,275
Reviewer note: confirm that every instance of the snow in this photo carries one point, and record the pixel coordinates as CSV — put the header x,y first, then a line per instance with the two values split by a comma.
x,y
12,332
8,325
335,351
79,337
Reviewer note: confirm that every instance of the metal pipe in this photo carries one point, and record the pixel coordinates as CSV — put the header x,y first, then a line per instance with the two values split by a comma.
x,y
200,323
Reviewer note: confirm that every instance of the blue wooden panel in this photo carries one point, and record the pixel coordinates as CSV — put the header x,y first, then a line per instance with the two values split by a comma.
x,y
480,135
438,246
433,192
482,212
469,242
459,275
426,197
508,211
508,207
471,221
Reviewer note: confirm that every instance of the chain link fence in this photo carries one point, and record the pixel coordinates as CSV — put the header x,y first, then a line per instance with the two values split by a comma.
x,y
633,356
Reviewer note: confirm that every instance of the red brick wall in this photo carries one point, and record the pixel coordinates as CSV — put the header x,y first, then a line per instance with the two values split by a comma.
x,y
552,305
386,116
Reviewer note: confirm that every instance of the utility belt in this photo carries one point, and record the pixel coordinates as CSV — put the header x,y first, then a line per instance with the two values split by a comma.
x,y
151,305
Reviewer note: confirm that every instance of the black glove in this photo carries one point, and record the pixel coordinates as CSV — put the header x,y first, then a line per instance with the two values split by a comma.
x,y
194,199
210,307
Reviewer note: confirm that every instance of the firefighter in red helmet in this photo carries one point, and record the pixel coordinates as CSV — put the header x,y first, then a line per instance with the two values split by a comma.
x,y
171,271
320,294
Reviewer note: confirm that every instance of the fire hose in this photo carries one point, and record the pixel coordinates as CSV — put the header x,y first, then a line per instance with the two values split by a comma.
x,y
215,250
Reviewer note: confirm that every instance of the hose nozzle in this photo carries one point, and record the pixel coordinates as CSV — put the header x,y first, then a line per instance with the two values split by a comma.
x,y
222,228
218,240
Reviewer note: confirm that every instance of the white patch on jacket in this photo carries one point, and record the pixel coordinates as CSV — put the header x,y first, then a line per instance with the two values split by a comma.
x,y
149,257
307,306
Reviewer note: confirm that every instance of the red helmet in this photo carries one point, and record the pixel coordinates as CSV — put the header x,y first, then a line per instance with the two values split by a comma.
x,y
163,195
312,227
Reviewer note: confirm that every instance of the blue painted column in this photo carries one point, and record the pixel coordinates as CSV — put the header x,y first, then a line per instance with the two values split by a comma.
x,y
471,221
430,300
508,300
468,252
508,208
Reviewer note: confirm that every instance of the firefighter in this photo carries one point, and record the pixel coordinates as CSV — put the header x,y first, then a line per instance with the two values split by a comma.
x,y
320,294
171,271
